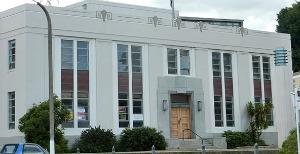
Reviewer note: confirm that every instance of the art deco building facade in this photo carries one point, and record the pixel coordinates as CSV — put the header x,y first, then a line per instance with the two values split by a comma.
x,y
123,66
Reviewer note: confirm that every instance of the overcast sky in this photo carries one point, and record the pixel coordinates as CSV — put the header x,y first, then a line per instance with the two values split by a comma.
x,y
257,14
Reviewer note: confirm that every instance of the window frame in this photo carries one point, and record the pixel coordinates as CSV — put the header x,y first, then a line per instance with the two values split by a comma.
x,y
178,61
256,99
11,110
76,122
130,95
11,54
217,59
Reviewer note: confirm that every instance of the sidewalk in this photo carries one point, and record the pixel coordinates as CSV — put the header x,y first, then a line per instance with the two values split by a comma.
x,y
208,151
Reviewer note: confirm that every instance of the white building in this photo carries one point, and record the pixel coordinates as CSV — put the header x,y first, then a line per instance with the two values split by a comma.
x,y
120,66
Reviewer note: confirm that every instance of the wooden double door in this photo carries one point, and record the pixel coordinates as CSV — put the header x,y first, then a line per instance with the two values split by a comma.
x,y
181,120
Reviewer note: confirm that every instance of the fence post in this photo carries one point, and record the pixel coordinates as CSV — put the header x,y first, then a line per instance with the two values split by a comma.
x,y
153,149
203,149
113,150
256,151
78,151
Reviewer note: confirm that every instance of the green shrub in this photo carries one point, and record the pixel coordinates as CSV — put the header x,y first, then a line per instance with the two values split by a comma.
x,y
289,145
141,139
237,139
94,140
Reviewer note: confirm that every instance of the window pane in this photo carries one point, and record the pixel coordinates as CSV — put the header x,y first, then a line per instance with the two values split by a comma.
x,y
10,148
172,61
137,110
136,56
69,123
123,96
216,55
172,71
82,45
138,124
12,54
67,54
11,110
31,149
184,62
83,113
266,59
218,113
122,58
255,58
229,113
82,55
67,44
123,103
216,64
124,124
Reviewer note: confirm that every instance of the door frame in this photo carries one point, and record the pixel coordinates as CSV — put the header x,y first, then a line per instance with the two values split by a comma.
x,y
190,105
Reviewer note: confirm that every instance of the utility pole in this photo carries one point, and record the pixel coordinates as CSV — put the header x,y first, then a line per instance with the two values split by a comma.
x,y
51,103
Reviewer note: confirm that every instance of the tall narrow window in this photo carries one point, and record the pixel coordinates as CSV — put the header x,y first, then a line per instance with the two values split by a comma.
x,y
228,89
178,61
184,62
223,89
12,54
75,82
130,86
262,82
217,79
257,79
268,86
137,85
11,110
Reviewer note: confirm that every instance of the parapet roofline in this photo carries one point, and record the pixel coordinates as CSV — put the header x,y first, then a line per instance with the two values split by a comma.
x,y
197,19
118,4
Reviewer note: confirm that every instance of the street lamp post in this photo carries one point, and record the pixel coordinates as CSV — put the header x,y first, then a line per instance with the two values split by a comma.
x,y
295,102
51,103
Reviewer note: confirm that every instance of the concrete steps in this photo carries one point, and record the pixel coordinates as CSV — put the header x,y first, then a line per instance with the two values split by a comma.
x,y
189,144
194,144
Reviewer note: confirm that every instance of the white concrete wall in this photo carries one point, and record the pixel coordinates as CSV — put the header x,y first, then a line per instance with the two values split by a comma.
x,y
13,80
156,69
105,103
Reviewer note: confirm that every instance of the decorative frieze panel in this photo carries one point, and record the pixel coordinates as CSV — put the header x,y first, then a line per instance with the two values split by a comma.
x,y
241,30
104,15
179,23
200,25
155,20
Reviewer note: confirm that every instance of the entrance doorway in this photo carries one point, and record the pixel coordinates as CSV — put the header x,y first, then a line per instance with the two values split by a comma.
x,y
180,116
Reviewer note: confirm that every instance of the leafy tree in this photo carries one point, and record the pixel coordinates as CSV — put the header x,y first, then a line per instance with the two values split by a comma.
x,y
289,22
95,140
35,125
289,145
258,113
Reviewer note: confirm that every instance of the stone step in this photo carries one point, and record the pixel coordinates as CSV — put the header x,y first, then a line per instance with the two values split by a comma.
x,y
194,144
189,144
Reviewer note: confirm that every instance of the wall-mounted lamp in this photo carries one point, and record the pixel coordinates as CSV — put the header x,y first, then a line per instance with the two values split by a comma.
x,y
199,105
165,105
